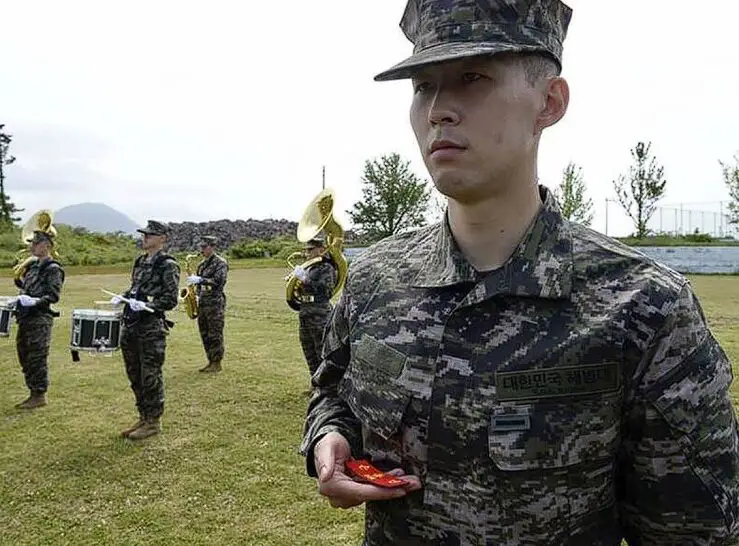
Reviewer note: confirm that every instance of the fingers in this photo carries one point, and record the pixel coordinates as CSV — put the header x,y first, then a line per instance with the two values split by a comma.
x,y
329,455
330,451
343,492
325,462
413,483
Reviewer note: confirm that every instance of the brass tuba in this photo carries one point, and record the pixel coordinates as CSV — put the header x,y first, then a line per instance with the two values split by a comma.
x,y
41,221
318,216
187,295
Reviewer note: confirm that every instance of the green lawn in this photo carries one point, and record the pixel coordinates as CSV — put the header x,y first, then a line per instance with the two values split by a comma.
x,y
225,470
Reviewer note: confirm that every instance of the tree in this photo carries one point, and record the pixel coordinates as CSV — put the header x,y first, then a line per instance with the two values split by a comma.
x,y
393,199
571,196
731,179
7,208
646,187
436,206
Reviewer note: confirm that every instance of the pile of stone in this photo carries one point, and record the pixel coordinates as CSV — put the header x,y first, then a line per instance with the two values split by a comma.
x,y
184,235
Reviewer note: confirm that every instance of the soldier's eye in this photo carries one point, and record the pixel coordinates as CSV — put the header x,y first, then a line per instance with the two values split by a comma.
x,y
421,87
470,77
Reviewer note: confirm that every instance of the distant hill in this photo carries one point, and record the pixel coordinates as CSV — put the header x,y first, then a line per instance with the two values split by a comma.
x,y
97,217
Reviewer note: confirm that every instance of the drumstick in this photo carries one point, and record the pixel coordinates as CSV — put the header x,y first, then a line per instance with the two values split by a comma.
x,y
127,300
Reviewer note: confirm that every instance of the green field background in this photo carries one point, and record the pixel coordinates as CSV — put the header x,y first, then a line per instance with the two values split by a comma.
x,y
226,468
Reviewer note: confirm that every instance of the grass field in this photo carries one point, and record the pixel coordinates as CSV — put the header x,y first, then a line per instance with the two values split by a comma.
x,y
226,468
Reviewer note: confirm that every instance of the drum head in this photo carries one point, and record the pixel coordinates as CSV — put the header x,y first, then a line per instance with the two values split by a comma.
x,y
93,314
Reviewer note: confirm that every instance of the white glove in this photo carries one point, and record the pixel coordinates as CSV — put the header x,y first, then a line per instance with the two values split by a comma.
x,y
136,305
194,279
116,300
301,273
27,301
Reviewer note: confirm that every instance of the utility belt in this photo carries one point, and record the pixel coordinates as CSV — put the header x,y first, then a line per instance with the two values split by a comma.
x,y
29,312
318,300
206,288
132,318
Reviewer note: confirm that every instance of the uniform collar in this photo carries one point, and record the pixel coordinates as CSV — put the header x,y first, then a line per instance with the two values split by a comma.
x,y
541,266
153,256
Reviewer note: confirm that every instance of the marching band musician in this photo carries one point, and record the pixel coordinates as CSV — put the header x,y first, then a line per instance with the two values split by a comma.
x,y
154,290
41,286
210,278
318,285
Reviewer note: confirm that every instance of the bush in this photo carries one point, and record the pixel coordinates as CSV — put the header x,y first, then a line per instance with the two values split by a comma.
x,y
75,246
698,237
278,247
288,249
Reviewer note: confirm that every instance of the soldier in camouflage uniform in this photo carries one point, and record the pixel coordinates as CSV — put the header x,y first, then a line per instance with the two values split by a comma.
x,y
41,286
318,281
210,279
154,285
533,381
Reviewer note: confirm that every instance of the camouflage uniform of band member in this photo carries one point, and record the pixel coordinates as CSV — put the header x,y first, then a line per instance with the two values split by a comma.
x,y
571,397
316,307
213,274
43,279
154,280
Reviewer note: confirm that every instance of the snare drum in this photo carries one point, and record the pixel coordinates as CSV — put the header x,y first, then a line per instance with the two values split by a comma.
x,y
95,331
6,315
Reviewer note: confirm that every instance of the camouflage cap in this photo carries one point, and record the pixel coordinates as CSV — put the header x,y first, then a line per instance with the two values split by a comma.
x,y
316,242
42,236
446,30
208,240
154,228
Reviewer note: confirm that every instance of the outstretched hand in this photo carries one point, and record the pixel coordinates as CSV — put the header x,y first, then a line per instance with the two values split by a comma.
x,y
329,455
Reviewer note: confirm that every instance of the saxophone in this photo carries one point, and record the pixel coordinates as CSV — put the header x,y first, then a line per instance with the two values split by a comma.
x,y
187,295
318,216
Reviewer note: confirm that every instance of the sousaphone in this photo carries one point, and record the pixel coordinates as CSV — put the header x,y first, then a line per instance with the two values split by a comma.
x,y
317,217
40,221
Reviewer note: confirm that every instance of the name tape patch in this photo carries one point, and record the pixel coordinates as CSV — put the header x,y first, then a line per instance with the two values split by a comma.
x,y
555,382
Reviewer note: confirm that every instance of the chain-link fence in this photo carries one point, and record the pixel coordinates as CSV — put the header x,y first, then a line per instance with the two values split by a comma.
x,y
709,218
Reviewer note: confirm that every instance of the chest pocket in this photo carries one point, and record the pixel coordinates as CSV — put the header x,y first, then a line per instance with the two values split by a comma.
x,y
554,433
149,276
370,386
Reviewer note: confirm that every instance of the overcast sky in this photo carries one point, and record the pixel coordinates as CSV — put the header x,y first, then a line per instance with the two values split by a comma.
x,y
178,110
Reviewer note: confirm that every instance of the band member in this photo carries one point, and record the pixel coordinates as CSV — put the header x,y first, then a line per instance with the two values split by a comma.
x,y
41,286
318,285
154,290
211,277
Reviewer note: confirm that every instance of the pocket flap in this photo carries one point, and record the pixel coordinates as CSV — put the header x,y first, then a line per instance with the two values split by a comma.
x,y
374,398
379,355
553,434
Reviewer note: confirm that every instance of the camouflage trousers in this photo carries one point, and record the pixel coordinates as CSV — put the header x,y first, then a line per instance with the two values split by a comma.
x,y
211,320
313,321
32,343
143,345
